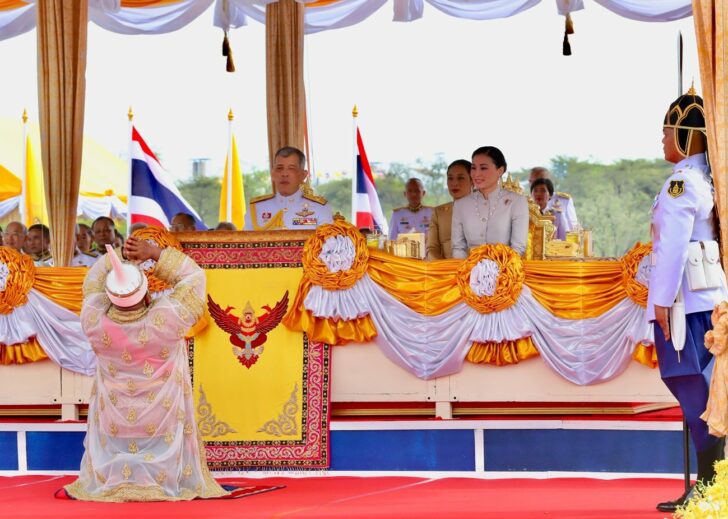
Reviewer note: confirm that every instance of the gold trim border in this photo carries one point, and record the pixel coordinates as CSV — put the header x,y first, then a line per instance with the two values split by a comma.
x,y
230,237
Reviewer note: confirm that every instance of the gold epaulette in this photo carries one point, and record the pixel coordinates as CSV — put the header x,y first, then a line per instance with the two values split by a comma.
x,y
260,198
561,194
315,198
92,253
400,208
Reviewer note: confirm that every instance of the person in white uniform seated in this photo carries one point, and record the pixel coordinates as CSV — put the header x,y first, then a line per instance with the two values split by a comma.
x,y
293,206
414,217
542,192
490,214
560,201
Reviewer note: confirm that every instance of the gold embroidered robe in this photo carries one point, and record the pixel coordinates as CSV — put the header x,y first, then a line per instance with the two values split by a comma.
x,y
142,442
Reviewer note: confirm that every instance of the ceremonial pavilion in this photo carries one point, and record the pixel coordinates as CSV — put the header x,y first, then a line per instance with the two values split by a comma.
x,y
390,388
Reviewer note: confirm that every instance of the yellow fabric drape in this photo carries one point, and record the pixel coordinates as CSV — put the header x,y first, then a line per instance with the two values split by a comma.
x,y
568,289
62,285
502,353
62,30
645,354
711,26
24,353
134,4
10,185
285,94
576,290
9,5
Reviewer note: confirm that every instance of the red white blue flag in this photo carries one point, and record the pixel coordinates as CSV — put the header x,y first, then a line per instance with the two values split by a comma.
x,y
367,208
154,198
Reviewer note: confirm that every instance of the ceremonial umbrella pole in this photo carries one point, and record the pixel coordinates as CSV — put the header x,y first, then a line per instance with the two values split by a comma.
x,y
355,169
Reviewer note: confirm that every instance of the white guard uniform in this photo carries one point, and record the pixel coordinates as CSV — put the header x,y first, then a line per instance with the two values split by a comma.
x,y
564,202
295,212
83,260
404,220
679,216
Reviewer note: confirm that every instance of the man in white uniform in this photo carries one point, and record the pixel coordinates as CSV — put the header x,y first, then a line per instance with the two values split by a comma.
x,y
559,203
414,217
292,206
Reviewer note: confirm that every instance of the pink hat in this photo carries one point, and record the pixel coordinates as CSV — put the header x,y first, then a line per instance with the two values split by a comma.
x,y
126,285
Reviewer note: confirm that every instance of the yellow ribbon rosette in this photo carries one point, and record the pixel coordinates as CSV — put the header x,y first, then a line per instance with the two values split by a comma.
x,y
315,272
635,290
509,282
18,273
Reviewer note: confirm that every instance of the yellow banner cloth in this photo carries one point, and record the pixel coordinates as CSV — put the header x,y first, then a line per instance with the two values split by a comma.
x,y
263,401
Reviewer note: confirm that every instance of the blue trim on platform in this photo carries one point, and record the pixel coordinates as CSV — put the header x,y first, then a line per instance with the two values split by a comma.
x,y
54,450
444,450
584,451
8,451
505,450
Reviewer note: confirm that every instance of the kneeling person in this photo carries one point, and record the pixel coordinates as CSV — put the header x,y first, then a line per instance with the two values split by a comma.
x,y
142,442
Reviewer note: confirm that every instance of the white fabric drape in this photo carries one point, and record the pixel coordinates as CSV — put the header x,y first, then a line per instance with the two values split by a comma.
x,y
145,20
89,206
94,206
229,14
650,10
9,205
586,351
58,331
15,22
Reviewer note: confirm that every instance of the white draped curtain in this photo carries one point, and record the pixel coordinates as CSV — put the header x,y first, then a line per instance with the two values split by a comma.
x,y
163,17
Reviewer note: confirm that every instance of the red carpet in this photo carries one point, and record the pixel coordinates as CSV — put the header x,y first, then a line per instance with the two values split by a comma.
x,y
354,497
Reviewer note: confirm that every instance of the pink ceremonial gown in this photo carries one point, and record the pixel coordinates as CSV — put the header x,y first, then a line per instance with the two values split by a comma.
x,y
142,442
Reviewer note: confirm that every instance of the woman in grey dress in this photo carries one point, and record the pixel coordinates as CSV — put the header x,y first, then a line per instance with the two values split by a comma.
x,y
490,214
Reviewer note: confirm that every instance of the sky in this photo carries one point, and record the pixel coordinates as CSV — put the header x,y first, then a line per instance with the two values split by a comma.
x,y
435,85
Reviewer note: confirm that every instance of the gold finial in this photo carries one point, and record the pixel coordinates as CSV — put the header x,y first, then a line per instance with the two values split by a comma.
x,y
230,115
25,116
355,112
691,90
338,217
130,114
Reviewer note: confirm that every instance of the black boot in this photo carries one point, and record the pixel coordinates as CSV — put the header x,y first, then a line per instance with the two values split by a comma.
x,y
671,506
706,473
706,459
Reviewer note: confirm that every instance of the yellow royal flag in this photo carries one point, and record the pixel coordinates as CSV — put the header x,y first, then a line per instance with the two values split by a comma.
x,y
35,206
232,204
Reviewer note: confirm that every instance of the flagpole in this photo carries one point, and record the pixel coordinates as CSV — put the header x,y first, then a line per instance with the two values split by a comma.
x,y
355,170
23,189
130,115
229,170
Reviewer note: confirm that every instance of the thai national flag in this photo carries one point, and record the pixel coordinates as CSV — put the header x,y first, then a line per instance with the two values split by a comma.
x,y
367,208
154,197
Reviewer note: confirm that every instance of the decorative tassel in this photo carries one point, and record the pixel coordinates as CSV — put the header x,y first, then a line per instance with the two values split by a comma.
x,y
225,45
230,65
569,24
566,48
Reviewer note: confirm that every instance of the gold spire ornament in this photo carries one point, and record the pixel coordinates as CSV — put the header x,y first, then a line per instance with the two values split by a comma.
x,y
230,115
130,115
355,112
25,116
